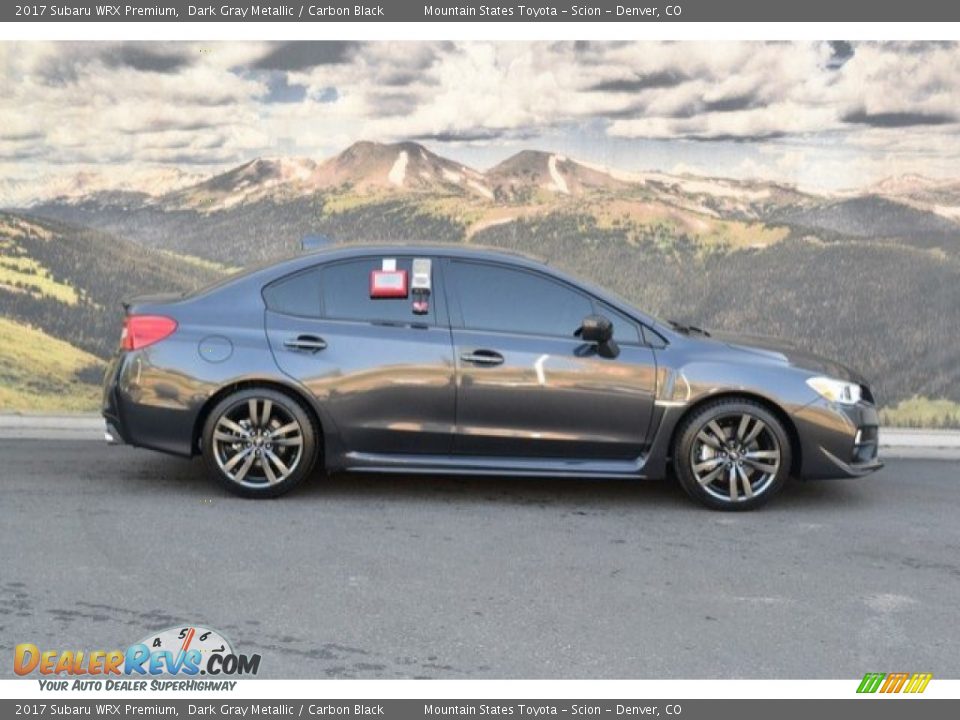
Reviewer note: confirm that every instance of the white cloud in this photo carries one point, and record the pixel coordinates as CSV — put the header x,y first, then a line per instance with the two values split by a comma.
x,y
888,107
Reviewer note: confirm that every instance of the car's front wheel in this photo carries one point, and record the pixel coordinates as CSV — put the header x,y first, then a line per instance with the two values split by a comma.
x,y
732,454
259,443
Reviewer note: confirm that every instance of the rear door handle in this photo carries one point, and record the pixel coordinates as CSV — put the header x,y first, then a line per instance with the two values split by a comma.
x,y
306,343
483,357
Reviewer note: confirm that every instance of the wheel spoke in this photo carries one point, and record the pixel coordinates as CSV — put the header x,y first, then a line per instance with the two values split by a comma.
x,y
706,439
296,440
284,429
718,432
758,427
762,467
268,471
267,410
228,437
733,482
245,468
708,464
710,477
763,455
747,487
231,425
252,411
742,429
235,460
284,470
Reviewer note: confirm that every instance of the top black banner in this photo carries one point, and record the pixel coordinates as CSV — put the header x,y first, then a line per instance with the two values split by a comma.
x,y
492,11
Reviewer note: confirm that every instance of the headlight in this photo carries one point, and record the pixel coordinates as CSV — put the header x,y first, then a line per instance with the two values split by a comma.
x,y
838,391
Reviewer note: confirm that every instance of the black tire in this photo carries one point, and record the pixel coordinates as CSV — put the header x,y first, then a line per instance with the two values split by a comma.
x,y
750,473
251,436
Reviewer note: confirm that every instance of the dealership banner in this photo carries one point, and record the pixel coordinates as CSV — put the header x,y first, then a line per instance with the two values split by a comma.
x,y
629,11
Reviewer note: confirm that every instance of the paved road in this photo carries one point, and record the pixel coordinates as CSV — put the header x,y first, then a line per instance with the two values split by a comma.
x,y
365,576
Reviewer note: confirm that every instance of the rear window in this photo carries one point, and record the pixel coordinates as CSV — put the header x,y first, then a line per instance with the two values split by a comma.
x,y
297,294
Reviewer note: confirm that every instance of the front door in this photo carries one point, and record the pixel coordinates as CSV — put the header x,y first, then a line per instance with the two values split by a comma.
x,y
382,372
527,386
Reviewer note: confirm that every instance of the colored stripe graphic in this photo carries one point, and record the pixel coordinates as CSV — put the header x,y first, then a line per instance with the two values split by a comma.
x,y
894,682
918,682
871,682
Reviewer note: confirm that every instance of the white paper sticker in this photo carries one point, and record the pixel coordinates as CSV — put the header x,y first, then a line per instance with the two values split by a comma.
x,y
421,274
389,264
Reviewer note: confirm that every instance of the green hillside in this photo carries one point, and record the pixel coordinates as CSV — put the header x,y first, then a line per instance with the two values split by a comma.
x,y
782,266
69,281
39,373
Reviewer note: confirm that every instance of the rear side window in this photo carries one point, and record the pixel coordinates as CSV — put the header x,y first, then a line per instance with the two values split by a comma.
x,y
493,297
346,294
297,294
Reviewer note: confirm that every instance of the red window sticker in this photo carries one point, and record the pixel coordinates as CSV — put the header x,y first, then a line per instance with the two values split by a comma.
x,y
388,283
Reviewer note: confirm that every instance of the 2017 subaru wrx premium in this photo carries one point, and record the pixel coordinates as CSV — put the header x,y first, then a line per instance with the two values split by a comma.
x,y
462,361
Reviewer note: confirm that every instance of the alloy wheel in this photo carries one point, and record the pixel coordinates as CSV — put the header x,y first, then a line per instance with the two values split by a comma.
x,y
257,443
735,457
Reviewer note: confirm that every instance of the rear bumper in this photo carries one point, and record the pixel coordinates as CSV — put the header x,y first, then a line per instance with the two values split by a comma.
x,y
133,414
838,440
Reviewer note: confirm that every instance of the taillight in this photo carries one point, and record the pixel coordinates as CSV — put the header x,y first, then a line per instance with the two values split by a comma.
x,y
139,331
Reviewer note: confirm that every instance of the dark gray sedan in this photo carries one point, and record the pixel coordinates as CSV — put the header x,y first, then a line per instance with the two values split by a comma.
x,y
460,361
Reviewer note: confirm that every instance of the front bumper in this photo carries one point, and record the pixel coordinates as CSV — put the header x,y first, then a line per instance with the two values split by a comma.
x,y
112,434
838,440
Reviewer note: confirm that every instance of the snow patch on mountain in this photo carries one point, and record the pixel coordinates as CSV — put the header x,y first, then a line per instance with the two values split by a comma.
x,y
482,189
559,184
399,170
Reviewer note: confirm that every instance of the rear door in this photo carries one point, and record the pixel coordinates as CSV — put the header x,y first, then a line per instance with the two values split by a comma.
x,y
383,372
527,387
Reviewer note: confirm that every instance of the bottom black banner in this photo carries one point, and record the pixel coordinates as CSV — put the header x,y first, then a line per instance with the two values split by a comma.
x,y
875,708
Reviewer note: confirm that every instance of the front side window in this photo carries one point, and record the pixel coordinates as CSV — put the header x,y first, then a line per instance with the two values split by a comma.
x,y
624,329
346,293
493,297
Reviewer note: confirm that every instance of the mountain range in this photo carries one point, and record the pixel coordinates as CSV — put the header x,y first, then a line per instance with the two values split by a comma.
x,y
869,276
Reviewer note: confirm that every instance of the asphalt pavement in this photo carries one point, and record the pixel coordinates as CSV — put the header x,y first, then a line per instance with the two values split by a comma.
x,y
385,577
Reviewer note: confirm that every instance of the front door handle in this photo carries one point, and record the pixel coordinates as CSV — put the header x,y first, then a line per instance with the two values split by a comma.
x,y
306,343
483,357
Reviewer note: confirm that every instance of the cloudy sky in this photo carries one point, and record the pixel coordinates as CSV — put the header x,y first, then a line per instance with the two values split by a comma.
x,y
823,115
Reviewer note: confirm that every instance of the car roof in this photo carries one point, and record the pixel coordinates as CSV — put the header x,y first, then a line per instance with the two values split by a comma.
x,y
442,249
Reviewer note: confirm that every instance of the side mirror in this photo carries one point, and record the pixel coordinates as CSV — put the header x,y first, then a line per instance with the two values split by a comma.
x,y
596,329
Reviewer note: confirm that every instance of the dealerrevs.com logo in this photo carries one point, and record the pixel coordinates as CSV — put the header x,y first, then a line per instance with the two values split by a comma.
x,y
185,652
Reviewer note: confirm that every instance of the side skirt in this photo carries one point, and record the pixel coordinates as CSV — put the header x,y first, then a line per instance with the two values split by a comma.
x,y
469,465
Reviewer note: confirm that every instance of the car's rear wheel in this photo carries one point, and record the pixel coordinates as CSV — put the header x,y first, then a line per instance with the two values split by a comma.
x,y
732,454
259,442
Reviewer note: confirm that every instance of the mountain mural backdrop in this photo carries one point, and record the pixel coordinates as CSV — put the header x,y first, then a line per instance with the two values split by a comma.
x,y
871,277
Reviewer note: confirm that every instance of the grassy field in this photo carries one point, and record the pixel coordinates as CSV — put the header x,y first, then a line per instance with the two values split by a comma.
x,y
25,274
39,373
921,412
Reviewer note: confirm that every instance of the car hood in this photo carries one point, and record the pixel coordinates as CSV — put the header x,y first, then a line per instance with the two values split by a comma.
x,y
787,351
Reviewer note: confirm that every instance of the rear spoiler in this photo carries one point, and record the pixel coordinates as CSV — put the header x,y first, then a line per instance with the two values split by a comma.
x,y
155,299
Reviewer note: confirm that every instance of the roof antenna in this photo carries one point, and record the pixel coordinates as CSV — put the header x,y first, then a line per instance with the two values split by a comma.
x,y
309,243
